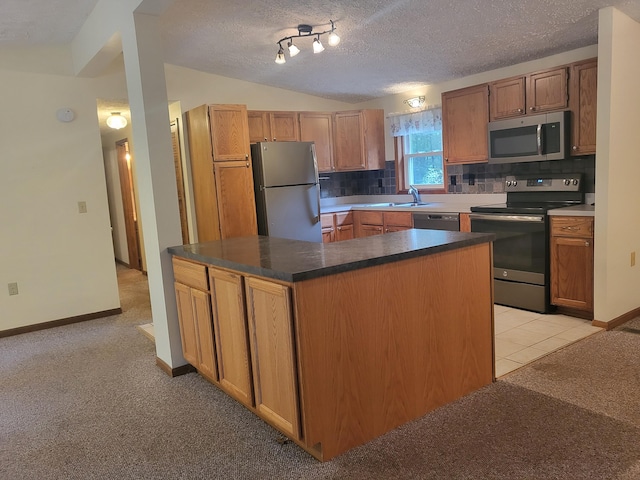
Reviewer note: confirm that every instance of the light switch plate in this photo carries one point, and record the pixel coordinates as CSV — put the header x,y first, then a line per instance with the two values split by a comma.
x,y
82,207
13,288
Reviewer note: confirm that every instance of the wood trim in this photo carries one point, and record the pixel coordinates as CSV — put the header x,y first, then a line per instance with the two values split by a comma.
x,y
58,323
616,322
174,372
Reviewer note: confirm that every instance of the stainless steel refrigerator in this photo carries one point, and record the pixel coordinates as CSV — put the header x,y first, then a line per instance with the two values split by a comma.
x,y
285,177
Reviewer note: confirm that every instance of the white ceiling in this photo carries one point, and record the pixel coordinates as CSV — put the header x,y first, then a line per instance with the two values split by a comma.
x,y
388,46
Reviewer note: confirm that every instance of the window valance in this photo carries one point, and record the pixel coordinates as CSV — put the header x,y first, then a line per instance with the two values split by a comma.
x,y
426,121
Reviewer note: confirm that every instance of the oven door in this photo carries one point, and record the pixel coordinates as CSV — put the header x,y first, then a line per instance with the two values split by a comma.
x,y
520,247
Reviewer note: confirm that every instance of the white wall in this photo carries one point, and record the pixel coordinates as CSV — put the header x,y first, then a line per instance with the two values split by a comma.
x,y
61,259
617,284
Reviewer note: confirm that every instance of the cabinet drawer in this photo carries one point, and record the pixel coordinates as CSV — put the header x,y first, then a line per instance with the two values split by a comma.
x,y
398,219
191,274
572,227
326,220
370,217
344,218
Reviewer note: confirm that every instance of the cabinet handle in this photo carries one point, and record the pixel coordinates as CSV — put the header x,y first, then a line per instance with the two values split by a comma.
x,y
532,109
586,244
520,110
265,139
446,159
247,164
339,229
570,228
274,139
574,148
246,156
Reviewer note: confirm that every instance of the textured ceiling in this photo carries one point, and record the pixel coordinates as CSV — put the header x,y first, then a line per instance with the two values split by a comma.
x,y
387,46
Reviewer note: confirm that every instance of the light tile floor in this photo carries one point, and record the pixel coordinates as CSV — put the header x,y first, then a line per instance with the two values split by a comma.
x,y
522,336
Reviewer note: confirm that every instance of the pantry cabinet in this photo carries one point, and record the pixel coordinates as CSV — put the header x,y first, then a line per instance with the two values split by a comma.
x,y
465,118
272,126
359,140
583,102
221,171
572,263
317,127
194,317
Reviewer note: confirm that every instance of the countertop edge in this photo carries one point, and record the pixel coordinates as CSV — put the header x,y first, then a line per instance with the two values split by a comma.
x,y
469,239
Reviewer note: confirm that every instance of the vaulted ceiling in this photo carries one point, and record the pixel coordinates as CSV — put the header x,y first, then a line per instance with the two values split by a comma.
x,y
387,46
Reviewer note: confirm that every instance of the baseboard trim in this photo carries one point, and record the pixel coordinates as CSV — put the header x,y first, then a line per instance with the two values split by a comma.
x,y
174,372
616,322
58,323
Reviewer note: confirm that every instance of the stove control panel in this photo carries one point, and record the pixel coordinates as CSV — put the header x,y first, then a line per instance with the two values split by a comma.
x,y
547,183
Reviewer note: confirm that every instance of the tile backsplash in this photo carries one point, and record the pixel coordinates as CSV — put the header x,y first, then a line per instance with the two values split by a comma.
x,y
472,178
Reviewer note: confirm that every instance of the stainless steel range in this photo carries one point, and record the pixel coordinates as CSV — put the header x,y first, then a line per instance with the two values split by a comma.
x,y
521,226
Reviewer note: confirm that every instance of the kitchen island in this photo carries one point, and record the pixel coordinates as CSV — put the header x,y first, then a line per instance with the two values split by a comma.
x,y
336,344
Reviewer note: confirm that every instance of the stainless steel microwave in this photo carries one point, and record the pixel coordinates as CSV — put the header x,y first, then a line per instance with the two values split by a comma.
x,y
531,138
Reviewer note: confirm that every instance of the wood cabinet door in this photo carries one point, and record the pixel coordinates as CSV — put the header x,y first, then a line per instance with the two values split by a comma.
x,y
465,118
465,222
507,98
204,185
284,127
272,354
201,307
259,126
317,127
229,132
572,272
229,320
188,329
328,228
583,101
547,91
236,199
344,232
349,141
374,152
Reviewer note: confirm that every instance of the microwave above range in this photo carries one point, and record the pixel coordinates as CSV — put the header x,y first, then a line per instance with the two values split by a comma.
x,y
531,138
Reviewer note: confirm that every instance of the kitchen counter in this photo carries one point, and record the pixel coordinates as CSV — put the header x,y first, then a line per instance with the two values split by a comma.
x,y
445,203
584,210
293,260
336,344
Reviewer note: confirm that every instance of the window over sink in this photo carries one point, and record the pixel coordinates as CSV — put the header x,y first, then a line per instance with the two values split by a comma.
x,y
418,148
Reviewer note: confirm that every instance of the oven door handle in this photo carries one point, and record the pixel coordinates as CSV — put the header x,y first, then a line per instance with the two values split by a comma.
x,y
508,218
539,138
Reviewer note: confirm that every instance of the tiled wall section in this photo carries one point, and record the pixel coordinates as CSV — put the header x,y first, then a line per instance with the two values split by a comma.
x,y
484,178
370,182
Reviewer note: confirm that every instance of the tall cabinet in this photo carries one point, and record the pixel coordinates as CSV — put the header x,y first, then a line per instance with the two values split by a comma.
x,y
221,171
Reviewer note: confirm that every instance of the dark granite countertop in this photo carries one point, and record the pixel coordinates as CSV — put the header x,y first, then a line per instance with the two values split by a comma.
x,y
294,260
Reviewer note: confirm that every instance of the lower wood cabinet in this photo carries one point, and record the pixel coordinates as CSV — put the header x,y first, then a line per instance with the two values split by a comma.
x,y
272,354
572,263
194,316
337,227
375,222
231,337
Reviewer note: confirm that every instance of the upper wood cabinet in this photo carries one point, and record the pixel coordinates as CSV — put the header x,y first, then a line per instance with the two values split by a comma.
x,y
465,117
317,127
359,140
538,92
583,103
221,171
273,126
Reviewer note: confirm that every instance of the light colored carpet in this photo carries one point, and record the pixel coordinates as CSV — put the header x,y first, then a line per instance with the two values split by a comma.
x,y
86,401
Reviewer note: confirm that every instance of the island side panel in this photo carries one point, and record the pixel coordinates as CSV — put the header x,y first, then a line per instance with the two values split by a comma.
x,y
383,345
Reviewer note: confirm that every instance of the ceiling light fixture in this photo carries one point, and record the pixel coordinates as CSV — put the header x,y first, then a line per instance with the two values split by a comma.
x,y
116,121
415,102
307,31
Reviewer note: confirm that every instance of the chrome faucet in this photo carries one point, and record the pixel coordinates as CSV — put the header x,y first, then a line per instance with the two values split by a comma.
x,y
416,195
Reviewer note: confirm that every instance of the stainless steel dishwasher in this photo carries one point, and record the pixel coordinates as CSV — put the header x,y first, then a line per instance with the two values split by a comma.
x,y
437,221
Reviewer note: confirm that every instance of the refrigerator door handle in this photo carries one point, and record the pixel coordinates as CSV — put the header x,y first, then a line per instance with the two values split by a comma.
x,y
315,167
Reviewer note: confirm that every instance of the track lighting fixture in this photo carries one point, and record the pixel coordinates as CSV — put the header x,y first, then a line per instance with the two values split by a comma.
x,y
306,31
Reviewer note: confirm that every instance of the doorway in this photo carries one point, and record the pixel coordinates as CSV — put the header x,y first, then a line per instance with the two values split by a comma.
x,y
129,204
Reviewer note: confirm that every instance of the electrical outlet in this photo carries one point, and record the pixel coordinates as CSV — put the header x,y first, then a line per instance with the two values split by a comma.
x,y
82,207
13,288
633,259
